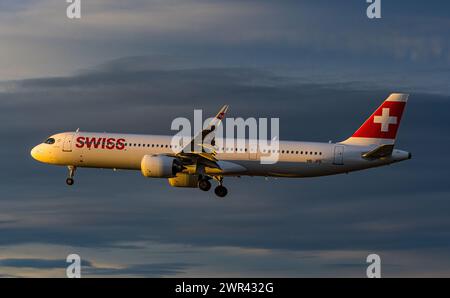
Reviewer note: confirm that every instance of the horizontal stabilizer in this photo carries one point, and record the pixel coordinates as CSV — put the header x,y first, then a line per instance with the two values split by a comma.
x,y
379,152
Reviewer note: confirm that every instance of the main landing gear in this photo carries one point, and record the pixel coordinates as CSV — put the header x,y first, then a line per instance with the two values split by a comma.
x,y
221,191
69,180
205,185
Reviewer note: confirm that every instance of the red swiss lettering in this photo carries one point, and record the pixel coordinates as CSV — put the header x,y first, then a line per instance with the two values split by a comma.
x,y
80,142
120,145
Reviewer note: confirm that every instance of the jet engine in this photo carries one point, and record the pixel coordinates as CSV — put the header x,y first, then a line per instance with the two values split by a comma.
x,y
184,180
160,166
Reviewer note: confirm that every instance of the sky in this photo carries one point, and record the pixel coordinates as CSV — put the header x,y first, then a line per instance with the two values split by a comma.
x,y
320,66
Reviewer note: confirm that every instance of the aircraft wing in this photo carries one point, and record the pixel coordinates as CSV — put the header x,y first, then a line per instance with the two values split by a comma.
x,y
201,148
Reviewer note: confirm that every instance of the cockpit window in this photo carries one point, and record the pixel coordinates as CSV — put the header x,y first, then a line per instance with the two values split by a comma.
x,y
50,141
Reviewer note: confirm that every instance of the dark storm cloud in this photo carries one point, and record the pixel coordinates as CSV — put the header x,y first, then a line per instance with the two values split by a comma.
x,y
38,263
138,92
320,36
145,270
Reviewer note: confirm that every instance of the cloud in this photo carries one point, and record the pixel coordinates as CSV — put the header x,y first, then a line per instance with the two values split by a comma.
x,y
153,260
88,269
143,270
36,263
40,41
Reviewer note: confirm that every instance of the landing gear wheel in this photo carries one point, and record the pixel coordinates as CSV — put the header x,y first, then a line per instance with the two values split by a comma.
x,y
221,191
204,184
69,180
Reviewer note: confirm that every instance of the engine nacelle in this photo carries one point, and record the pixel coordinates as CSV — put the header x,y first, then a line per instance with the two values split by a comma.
x,y
160,166
184,180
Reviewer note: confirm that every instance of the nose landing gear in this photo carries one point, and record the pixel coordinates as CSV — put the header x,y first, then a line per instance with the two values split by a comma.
x,y
69,180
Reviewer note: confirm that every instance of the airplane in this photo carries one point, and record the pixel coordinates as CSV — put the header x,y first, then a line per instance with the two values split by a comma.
x,y
372,145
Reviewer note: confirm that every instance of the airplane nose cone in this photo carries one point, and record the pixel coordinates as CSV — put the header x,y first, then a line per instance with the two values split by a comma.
x,y
42,154
34,153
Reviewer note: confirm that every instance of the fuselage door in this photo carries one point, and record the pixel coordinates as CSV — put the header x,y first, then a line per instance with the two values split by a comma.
x,y
68,140
339,155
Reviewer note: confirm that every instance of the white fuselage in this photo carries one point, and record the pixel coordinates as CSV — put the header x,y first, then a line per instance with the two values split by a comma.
x,y
125,151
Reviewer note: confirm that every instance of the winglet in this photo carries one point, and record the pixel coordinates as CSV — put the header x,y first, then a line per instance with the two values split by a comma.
x,y
207,135
219,117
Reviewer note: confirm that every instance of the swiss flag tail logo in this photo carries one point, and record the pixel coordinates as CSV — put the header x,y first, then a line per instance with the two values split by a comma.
x,y
382,126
